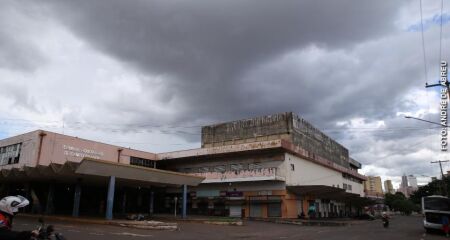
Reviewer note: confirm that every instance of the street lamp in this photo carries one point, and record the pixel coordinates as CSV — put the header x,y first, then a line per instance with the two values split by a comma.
x,y
444,187
423,120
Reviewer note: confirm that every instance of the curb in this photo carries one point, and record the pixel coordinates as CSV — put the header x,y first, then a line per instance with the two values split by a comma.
x,y
306,223
205,221
139,225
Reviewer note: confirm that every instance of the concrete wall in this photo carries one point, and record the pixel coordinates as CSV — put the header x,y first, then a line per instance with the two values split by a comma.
x,y
58,148
251,129
308,173
313,140
29,147
287,126
193,165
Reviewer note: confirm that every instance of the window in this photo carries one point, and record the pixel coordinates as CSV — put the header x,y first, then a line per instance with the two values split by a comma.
x,y
344,186
203,169
10,154
142,162
236,167
292,167
220,168
254,166
349,187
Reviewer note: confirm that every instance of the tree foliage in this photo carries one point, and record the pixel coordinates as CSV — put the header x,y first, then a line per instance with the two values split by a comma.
x,y
436,187
398,202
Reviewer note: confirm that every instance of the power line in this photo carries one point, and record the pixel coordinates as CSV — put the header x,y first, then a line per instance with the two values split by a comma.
x,y
423,44
440,35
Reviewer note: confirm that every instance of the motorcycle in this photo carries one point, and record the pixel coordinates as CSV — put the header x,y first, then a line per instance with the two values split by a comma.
x,y
47,232
385,221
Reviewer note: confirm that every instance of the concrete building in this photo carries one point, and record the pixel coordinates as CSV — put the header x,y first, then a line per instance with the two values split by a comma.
x,y
404,182
373,188
412,181
388,187
55,170
408,185
272,166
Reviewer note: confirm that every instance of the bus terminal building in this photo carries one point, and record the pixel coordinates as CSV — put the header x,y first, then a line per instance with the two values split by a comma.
x,y
275,166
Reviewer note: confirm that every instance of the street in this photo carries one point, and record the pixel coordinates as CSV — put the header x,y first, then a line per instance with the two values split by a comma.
x,y
401,228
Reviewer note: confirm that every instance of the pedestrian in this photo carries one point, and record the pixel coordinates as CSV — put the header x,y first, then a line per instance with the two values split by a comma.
x,y
445,226
312,211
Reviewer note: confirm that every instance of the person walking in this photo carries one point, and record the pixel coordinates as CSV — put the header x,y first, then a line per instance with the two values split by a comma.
x,y
445,226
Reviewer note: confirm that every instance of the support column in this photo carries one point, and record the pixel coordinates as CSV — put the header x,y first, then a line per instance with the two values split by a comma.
x,y
152,196
27,195
76,199
49,209
124,201
110,198
184,200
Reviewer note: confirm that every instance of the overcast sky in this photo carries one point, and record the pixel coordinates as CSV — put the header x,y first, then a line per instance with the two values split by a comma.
x,y
147,74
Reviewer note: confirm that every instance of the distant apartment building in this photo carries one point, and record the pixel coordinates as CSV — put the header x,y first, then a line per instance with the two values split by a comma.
x,y
388,188
408,185
373,187
412,181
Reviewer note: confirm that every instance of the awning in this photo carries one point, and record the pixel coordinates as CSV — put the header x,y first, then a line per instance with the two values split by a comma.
x,y
136,173
322,191
98,171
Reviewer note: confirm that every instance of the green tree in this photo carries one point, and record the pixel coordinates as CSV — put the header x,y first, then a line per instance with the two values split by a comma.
x,y
436,187
398,202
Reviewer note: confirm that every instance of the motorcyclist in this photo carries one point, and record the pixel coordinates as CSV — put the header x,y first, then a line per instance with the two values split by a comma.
x,y
9,206
385,219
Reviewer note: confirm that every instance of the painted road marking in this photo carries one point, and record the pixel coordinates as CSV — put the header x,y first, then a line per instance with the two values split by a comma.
x,y
132,234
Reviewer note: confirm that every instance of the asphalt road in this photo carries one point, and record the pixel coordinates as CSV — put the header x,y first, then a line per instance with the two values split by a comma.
x,y
408,228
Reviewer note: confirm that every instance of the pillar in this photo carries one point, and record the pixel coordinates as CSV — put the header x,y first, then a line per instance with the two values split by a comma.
x,y
110,198
184,201
51,194
76,199
124,201
27,195
152,196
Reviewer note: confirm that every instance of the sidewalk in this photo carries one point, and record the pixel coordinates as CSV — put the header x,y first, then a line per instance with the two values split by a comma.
x,y
201,219
147,224
313,222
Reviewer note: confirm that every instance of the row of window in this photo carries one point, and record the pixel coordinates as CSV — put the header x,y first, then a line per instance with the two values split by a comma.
x,y
10,154
344,186
347,186
10,148
351,178
223,168
142,162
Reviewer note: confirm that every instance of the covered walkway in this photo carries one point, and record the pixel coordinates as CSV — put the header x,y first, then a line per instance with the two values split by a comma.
x,y
91,172
328,201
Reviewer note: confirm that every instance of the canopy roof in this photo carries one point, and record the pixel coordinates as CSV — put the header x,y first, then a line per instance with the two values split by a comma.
x,y
92,170
322,191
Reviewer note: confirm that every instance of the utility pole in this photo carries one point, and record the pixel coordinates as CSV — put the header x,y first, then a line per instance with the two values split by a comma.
x,y
443,185
440,165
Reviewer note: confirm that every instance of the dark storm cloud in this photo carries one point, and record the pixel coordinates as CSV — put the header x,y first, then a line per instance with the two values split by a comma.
x,y
206,48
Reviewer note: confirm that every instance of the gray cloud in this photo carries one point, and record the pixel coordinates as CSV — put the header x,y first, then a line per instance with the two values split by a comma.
x,y
201,62
17,50
206,48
